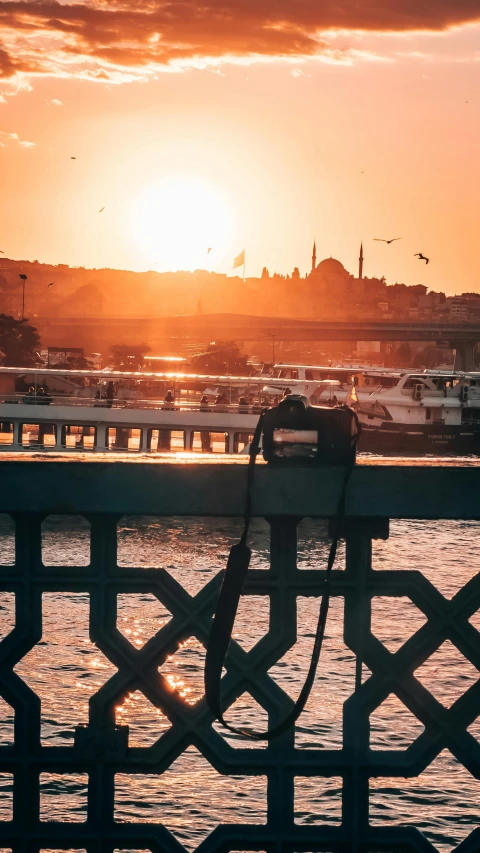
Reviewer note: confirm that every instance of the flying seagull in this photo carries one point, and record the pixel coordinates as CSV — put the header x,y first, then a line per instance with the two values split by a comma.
x,y
382,240
208,251
73,158
101,209
2,252
50,285
422,257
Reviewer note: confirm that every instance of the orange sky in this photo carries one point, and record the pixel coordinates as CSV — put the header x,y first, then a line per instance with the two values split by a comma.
x,y
293,131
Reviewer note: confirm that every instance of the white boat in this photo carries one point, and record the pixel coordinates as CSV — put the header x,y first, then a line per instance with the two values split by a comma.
x,y
420,413
400,410
46,413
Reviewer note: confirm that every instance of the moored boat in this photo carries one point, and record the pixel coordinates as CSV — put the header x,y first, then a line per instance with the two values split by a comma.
x,y
400,411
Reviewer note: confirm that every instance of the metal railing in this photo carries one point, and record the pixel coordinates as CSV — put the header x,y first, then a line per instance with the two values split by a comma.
x,y
180,404
103,492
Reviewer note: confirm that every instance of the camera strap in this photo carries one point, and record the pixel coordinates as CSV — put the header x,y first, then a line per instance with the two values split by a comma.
x,y
229,599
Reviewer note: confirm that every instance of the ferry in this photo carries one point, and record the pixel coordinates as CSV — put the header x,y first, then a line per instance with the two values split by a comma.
x,y
401,411
51,409
426,412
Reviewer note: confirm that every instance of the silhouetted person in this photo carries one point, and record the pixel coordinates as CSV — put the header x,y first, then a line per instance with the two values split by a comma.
x,y
221,403
43,399
243,406
29,397
169,400
110,394
205,436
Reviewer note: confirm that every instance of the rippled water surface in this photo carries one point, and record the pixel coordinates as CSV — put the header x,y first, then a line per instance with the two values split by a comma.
x,y
65,668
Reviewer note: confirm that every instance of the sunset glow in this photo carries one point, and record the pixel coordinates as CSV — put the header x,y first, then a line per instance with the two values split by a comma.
x,y
175,223
263,127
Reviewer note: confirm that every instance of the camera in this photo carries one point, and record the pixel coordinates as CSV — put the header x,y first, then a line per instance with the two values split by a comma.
x,y
294,432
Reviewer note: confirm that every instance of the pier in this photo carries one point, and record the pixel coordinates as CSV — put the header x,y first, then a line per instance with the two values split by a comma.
x,y
103,490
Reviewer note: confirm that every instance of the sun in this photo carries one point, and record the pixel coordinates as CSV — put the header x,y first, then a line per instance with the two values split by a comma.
x,y
175,222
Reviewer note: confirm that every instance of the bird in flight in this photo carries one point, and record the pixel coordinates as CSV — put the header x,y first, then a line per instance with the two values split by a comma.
x,y
382,240
2,252
422,257
208,251
51,284
73,158
101,209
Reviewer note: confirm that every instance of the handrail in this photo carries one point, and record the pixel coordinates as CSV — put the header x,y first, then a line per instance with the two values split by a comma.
x,y
68,790
117,403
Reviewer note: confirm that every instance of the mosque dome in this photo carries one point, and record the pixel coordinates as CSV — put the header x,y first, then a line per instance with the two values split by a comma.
x,y
330,266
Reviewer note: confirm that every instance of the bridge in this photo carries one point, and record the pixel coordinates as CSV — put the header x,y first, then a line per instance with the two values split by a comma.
x,y
80,807
99,334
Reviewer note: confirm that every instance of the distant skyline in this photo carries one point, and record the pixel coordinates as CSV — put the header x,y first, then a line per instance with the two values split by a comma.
x,y
264,134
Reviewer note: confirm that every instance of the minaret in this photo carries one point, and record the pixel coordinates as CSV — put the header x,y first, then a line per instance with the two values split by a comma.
x,y
314,257
360,263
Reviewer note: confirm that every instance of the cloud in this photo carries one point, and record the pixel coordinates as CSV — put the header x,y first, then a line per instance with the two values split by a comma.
x,y
8,138
116,40
54,102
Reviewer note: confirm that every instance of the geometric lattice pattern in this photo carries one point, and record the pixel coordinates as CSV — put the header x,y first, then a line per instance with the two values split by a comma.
x,y
295,794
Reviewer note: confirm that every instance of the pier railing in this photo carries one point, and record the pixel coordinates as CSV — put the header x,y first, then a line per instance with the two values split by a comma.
x,y
103,492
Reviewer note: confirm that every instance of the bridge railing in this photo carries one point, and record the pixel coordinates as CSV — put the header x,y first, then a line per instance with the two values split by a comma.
x,y
103,750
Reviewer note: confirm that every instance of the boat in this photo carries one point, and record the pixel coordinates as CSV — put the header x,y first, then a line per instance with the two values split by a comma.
x,y
427,412
73,410
400,411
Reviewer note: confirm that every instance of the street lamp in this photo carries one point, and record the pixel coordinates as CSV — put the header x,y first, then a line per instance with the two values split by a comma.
x,y
272,336
23,278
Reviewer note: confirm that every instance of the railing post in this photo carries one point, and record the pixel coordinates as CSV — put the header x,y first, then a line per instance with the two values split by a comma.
x,y
28,620
101,437
356,723
283,622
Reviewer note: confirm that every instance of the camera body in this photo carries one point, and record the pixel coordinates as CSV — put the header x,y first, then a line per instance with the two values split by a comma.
x,y
294,432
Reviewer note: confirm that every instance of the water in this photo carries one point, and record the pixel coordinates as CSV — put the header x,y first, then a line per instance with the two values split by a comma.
x,y
191,798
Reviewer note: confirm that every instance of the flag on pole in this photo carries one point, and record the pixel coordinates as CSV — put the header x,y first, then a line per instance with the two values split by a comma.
x,y
352,397
239,261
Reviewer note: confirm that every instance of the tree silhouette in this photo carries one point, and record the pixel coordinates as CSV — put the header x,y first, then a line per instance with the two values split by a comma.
x,y
75,362
427,357
221,359
296,274
265,273
404,355
19,342
129,357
